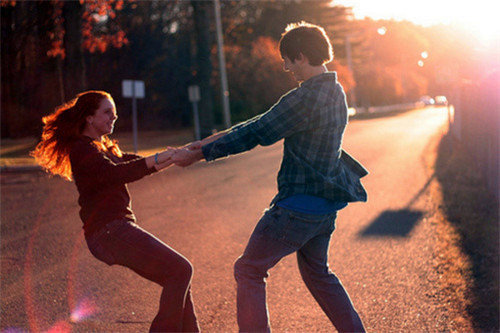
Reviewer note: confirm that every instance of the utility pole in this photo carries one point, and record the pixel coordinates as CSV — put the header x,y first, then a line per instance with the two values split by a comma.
x,y
222,66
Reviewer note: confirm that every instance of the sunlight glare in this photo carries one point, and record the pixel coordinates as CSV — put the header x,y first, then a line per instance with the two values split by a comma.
x,y
60,327
382,31
100,18
478,17
83,310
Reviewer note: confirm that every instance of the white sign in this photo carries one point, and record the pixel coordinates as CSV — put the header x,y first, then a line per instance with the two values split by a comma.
x,y
132,88
194,94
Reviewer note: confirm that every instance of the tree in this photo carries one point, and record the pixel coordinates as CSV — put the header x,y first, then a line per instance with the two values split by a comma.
x,y
203,71
25,85
159,52
256,77
252,31
43,45
387,70
53,49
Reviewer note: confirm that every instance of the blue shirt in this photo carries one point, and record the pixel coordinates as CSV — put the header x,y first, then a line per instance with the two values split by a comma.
x,y
309,204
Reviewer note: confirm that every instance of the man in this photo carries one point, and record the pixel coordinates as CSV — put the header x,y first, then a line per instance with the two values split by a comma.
x,y
316,179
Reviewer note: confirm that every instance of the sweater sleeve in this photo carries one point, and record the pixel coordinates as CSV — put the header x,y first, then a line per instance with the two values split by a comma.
x,y
87,159
129,157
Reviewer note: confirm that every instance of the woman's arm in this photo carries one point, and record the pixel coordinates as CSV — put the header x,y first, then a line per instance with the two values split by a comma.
x,y
87,159
160,160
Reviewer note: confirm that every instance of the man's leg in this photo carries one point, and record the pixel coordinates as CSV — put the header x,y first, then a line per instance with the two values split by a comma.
x,y
263,251
325,286
277,235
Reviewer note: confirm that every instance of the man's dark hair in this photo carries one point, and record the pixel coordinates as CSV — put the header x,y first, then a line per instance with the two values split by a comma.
x,y
310,40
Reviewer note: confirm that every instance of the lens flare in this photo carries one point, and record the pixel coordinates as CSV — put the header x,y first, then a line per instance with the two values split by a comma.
x,y
81,307
60,327
83,310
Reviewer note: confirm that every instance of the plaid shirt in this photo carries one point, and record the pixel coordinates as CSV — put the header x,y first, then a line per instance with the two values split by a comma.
x,y
312,119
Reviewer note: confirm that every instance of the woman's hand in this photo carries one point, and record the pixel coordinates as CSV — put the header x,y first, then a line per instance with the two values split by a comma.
x,y
162,159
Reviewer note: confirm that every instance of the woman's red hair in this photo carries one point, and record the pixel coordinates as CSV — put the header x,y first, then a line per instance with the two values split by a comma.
x,y
63,127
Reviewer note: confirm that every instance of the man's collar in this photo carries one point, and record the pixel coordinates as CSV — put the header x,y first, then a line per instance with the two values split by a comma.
x,y
327,76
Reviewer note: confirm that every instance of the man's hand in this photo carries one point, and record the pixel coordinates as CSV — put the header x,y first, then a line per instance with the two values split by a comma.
x,y
192,152
193,145
188,155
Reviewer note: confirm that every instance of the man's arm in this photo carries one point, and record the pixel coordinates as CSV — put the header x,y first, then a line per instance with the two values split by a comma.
x,y
198,144
283,119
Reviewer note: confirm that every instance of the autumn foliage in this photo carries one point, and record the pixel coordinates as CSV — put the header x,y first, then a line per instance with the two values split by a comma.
x,y
57,35
99,31
51,50
256,76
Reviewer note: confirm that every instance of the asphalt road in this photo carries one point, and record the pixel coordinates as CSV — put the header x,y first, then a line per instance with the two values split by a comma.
x,y
382,250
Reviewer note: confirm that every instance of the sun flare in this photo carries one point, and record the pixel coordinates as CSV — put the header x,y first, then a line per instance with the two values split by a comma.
x,y
478,18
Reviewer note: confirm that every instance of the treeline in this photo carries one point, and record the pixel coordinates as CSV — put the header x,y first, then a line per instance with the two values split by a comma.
x,y
52,50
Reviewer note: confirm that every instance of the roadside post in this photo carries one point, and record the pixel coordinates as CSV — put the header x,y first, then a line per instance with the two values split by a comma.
x,y
222,66
133,89
194,98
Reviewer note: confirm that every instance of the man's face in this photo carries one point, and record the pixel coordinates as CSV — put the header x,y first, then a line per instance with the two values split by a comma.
x,y
294,67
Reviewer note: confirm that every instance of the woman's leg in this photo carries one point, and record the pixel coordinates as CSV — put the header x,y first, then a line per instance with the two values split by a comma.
x,y
124,243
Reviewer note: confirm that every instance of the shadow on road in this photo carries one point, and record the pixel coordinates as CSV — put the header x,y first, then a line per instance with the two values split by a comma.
x,y
393,223
397,223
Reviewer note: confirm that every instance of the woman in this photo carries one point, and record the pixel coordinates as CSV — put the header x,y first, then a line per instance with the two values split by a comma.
x,y
75,146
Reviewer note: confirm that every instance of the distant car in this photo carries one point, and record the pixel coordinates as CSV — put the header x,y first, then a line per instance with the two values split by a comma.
x,y
427,100
441,100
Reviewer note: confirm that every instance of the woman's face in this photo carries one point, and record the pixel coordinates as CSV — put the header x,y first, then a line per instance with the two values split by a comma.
x,y
103,120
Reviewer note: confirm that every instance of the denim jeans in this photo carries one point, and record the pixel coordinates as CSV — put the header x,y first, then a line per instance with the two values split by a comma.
x,y
122,242
279,233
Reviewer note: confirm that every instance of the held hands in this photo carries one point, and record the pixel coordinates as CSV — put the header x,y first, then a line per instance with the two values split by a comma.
x,y
192,152
188,154
181,156
163,159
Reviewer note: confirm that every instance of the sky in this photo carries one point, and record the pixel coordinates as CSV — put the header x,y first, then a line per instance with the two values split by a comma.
x,y
480,17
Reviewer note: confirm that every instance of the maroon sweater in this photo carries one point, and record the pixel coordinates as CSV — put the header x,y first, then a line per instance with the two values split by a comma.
x,y
101,179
